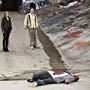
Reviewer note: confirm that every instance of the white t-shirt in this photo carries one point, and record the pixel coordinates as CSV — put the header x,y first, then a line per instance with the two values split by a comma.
x,y
54,75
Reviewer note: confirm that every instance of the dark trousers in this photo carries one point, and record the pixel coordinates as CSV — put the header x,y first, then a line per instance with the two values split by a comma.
x,y
6,35
43,78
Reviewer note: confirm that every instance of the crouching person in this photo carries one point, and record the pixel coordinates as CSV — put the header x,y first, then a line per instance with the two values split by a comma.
x,y
52,77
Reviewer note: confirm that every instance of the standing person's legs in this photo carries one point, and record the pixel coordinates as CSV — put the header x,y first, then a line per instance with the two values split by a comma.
x,y
7,39
32,35
4,41
6,35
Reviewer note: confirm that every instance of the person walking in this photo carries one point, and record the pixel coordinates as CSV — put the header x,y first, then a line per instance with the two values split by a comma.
x,y
6,27
31,23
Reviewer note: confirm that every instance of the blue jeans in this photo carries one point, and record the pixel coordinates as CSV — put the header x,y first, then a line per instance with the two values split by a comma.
x,y
43,78
6,35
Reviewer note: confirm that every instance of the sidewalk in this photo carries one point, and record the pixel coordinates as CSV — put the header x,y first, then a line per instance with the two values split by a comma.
x,y
83,84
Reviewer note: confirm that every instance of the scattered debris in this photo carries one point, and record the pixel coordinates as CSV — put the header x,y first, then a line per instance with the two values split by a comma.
x,y
73,34
81,43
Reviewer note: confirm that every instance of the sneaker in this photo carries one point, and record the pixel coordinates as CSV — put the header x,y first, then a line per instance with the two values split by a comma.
x,y
31,47
34,84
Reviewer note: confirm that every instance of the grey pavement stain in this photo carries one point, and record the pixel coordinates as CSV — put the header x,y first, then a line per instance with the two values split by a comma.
x,y
54,56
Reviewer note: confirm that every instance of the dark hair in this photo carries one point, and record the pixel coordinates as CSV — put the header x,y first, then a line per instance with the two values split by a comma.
x,y
32,6
76,78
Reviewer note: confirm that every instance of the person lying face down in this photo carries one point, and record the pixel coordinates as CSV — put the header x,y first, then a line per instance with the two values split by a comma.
x,y
52,77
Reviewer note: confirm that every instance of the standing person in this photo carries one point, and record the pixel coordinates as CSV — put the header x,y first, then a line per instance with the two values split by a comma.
x,y
6,27
31,23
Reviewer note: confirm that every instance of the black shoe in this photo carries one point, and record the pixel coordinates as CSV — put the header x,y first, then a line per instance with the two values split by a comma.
x,y
30,80
5,50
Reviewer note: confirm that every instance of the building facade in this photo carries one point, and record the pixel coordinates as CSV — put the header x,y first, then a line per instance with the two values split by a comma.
x,y
17,5
10,5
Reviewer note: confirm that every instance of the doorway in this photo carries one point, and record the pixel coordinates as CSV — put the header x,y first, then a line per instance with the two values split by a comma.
x,y
11,5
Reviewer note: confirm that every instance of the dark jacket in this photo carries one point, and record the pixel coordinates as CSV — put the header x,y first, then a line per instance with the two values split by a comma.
x,y
6,24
